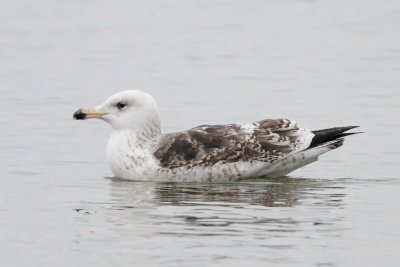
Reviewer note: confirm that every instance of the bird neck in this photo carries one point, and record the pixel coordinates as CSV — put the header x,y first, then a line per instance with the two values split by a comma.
x,y
137,138
146,135
140,129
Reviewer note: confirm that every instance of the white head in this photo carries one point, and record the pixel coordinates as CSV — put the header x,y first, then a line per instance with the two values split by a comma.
x,y
127,110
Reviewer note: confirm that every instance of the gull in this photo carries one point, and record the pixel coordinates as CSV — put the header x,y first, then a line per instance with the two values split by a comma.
x,y
137,150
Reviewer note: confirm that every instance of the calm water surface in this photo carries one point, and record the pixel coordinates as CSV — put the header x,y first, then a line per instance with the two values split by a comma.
x,y
325,63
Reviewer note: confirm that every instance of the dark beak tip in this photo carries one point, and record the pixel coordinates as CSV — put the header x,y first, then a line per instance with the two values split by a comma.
x,y
79,115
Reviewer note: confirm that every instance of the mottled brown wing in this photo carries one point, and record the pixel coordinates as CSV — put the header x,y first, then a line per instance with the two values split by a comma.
x,y
205,145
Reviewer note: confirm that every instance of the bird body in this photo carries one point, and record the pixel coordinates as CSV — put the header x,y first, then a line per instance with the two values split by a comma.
x,y
138,151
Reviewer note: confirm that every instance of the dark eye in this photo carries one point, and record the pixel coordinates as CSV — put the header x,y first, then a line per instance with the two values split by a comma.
x,y
121,105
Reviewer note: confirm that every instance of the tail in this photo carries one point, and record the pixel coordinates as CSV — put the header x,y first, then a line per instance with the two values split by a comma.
x,y
328,135
323,141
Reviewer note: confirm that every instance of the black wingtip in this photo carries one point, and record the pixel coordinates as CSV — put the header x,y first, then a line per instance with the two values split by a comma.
x,y
326,135
346,134
345,129
335,129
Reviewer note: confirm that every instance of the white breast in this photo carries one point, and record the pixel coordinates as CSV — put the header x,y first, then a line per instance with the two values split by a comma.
x,y
127,159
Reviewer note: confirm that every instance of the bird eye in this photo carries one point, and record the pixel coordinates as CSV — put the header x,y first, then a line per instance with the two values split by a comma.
x,y
121,105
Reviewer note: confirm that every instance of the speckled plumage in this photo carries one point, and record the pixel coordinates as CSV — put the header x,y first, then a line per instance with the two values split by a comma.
x,y
138,151
205,145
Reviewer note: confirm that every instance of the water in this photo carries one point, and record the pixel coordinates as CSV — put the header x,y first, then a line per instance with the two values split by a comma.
x,y
325,63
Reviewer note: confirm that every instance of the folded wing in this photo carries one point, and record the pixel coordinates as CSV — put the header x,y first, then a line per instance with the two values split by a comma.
x,y
206,145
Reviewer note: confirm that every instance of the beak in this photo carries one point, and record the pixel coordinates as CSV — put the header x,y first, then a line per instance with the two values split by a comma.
x,y
87,113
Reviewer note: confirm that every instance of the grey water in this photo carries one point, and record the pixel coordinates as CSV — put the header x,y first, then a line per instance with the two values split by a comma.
x,y
324,63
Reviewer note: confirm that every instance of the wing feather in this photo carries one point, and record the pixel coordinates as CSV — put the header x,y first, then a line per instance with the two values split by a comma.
x,y
205,145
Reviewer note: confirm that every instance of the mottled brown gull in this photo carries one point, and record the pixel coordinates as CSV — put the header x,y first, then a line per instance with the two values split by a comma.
x,y
138,151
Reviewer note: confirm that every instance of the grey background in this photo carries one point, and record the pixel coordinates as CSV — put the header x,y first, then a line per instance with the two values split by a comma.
x,y
324,63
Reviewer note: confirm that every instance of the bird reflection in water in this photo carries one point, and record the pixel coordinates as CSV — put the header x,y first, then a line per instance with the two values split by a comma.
x,y
277,192
268,208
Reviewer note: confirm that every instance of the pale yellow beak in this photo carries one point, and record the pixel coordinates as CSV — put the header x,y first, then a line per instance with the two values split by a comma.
x,y
87,113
